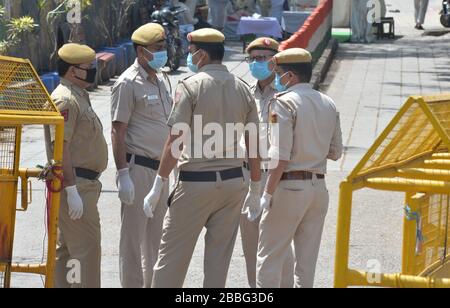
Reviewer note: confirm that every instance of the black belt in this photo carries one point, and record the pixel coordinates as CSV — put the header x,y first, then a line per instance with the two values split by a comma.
x,y
144,161
247,166
210,176
87,174
300,175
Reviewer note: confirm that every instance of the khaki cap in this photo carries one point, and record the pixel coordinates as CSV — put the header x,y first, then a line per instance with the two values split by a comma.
x,y
206,36
293,56
263,43
76,54
149,34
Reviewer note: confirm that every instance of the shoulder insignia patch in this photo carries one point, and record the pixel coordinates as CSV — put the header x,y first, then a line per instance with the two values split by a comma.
x,y
65,114
178,94
273,118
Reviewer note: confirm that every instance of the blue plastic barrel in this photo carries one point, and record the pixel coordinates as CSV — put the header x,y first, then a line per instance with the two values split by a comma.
x,y
48,82
130,52
54,76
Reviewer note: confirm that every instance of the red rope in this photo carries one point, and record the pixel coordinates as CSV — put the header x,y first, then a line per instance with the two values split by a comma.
x,y
52,190
59,177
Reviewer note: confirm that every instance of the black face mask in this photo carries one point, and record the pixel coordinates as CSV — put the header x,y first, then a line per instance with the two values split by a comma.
x,y
90,76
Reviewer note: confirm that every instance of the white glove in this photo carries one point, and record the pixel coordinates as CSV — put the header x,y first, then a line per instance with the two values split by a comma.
x,y
266,201
153,197
75,203
252,201
126,186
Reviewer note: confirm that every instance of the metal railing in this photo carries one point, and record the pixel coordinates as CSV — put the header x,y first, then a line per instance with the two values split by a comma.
x,y
25,101
411,156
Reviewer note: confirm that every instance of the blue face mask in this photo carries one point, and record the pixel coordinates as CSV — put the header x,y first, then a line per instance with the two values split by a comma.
x,y
260,70
193,67
159,60
278,86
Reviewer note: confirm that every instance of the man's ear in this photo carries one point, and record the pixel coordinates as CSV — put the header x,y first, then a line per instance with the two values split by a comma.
x,y
291,74
139,51
205,55
71,71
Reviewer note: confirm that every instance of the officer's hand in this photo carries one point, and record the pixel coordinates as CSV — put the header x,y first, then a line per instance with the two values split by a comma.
x,y
266,201
75,203
126,186
152,199
252,201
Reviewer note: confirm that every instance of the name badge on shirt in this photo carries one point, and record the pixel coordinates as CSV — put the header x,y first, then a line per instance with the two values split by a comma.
x,y
153,97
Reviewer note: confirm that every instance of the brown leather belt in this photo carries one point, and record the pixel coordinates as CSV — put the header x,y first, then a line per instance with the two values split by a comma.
x,y
300,175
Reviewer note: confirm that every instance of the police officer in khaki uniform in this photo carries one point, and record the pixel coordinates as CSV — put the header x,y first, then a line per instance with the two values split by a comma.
x,y
211,187
140,109
260,52
305,132
85,158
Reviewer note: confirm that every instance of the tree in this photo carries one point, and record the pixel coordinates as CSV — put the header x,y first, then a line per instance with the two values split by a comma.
x,y
18,30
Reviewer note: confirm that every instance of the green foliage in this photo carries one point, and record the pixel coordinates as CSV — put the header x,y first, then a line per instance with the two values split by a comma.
x,y
17,30
4,47
41,4
64,6
18,27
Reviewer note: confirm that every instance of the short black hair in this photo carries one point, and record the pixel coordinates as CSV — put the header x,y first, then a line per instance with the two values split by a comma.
x,y
216,52
63,67
302,70
136,47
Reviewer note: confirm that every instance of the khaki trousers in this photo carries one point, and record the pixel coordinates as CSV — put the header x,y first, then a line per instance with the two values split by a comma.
x,y
140,237
250,240
213,205
78,251
302,207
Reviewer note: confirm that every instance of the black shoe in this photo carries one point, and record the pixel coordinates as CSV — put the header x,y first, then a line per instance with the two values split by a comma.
x,y
419,27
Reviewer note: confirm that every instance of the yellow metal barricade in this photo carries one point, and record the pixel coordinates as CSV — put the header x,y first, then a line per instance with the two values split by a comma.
x,y
25,101
411,156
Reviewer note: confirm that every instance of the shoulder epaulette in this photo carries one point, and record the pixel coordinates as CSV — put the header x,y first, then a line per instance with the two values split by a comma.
x,y
243,81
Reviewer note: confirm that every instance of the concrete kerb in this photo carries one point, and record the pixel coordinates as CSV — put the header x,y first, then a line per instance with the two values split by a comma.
x,y
323,65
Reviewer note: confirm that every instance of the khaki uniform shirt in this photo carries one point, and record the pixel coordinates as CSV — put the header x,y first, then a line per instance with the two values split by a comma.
x,y
82,128
218,97
145,107
309,129
263,99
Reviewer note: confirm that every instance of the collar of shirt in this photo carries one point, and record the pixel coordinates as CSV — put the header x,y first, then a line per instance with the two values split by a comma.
x,y
213,67
269,90
73,87
140,69
143,73
301,87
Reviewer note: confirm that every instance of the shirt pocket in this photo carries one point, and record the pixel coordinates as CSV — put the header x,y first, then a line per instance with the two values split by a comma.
x,y
90,121
150,104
